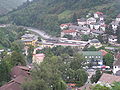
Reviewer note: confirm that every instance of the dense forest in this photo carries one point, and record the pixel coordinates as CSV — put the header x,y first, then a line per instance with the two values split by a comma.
x,y
48,14
9,35
8,5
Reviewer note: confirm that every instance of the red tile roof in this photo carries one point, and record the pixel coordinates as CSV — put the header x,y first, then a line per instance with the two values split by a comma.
x,y
108,78
69,31
100,13
19,70
103,52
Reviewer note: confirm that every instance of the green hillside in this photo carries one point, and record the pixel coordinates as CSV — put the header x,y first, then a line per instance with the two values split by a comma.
x,y
8,5
48,14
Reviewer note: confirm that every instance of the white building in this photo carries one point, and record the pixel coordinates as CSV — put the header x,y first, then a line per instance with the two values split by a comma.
x,y
91,20
64,26
69,32
115,24
98,14
81,22
118,18
112,39
95,42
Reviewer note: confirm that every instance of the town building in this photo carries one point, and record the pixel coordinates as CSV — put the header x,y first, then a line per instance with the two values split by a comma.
x,y
94,57
112,39
91,20
64,26
98,14
38,58
69,32
29,39
118,18
95,42
81,21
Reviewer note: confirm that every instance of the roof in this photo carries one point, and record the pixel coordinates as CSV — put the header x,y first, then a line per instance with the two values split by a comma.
x,y
94,41
108,78
116,63
15,84
117,56
100,13
11,86
69,31
81,20
103,52
92,53
115,23
19,70
40,55
118,16
118,73
91,19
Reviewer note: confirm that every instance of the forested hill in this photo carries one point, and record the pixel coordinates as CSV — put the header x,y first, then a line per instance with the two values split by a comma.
x,y
48,14
8,5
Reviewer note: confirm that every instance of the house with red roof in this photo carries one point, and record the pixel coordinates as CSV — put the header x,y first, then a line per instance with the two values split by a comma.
x,y
69,32
108,79
98,14
19,75
38,58
103,52
65,26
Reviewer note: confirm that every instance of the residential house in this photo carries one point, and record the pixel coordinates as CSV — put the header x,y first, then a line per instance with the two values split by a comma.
x,y
118,18
108,79
116,64
96,33
69,32
103,52
95,42
64,26
98,14
95,26
20,70
81,21
94,57
38,58
91,20
103,27
112,39
115,24
19,75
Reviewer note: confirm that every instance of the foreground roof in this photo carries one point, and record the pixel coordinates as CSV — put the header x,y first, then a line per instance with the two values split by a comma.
x,y
108,78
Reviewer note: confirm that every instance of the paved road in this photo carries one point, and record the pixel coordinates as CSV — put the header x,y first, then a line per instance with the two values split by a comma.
x,y
40,32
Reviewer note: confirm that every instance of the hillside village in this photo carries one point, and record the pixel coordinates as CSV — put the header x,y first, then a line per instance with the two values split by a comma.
x,y
91,37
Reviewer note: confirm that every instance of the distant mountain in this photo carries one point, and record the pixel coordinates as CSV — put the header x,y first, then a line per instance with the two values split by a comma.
x,y
8,5
48,14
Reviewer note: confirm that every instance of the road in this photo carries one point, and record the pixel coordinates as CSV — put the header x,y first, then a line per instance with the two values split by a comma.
x,y
40,32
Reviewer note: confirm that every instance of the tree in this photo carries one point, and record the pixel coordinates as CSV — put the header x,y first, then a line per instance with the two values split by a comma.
x,y
4,72
78,62
74,18
30,54
68,36
96,77
80,77
99,87
108,59
116,86
17,59
100,38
